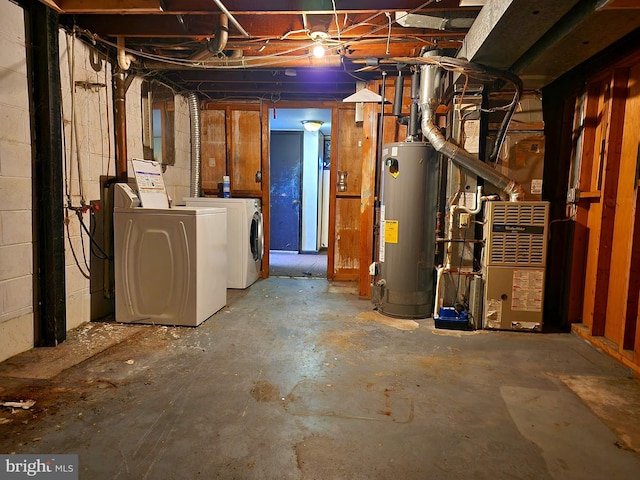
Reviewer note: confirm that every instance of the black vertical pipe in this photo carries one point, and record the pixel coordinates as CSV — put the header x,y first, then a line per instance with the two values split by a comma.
x,y
397,97
48,195
413,112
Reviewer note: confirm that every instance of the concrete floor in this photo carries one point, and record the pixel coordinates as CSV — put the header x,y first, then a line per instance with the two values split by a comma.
x,y
300,379
292,264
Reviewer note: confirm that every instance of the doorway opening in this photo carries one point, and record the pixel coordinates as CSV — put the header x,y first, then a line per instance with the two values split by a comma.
x,y
299,192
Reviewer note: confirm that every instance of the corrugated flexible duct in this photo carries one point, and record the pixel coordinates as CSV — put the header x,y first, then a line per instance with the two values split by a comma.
x,y
196,157
429,100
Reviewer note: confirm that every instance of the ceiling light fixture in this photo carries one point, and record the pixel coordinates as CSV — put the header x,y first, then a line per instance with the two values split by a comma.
x,y
318,51
312,125
319,37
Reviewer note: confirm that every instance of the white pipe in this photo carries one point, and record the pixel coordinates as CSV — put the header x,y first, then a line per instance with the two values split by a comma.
x,y
436,305
124,60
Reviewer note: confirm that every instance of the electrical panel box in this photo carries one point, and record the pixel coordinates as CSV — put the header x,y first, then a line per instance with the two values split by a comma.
x,y
514,265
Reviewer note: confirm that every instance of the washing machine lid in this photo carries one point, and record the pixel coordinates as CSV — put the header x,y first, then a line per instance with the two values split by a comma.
x,y
216,200
151,187
180,211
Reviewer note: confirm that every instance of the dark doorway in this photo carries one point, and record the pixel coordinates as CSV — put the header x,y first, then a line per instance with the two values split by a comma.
x,y
286,190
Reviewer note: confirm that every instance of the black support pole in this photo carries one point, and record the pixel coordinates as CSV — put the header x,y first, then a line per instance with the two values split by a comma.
x,y
48,207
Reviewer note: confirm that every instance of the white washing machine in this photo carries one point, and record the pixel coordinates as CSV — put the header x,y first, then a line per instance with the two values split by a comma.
x,y
170,263
245,241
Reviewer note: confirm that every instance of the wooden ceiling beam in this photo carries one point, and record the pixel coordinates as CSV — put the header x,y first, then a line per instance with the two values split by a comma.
x,y
259,88
206,7
198,26
275,76
110,6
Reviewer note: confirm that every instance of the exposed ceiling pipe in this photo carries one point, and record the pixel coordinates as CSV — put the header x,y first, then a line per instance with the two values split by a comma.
x,y
222,35
231,17
240,62
429,101
219,42
124,60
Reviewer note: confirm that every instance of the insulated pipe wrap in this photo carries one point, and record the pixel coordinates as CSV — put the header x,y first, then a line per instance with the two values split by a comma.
x,y
194,115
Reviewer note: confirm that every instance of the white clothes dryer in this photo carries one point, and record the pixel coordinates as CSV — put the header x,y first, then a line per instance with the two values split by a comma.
x,y
245,241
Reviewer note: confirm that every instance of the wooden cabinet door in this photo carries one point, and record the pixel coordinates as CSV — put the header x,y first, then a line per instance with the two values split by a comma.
x,y
244,139
213,149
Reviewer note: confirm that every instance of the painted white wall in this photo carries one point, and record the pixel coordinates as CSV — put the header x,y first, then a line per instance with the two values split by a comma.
x,y
310,169
88,155
16,250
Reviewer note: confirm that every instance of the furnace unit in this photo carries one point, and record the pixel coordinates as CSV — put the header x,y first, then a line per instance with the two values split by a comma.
x,y
515,260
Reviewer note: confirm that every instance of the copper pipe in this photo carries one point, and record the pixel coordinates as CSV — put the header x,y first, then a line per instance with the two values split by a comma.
x,y
121,126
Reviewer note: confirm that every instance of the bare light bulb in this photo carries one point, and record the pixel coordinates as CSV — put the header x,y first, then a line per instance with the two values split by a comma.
x,y
318,51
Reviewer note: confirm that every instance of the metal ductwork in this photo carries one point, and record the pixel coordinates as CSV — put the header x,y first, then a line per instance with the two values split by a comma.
x,y
194,115
429,101
413,20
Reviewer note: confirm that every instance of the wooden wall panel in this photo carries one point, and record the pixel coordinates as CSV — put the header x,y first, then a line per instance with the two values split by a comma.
x,y
245,151
344,220
368,197
611,295
589,315
617,211
349,150
625,283
347,240
581,237
213,149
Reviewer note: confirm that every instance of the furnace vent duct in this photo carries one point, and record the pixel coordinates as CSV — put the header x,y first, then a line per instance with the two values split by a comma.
x,y
429,100
194,114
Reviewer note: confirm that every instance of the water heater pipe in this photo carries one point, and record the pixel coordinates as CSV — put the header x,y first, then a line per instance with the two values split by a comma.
x,y
196,156
429,101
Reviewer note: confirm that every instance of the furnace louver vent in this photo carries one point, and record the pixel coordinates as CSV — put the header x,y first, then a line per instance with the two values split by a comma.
x,y
516,233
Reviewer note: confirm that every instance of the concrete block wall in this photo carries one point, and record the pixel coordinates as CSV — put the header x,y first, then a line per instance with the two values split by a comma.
x,y
90,152
90,155
16,250
178,177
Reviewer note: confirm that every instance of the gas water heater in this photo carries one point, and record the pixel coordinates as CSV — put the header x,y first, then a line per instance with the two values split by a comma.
x,y
405,287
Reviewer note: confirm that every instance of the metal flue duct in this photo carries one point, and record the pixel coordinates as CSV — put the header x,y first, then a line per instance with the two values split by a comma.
x,y
429,100
194,113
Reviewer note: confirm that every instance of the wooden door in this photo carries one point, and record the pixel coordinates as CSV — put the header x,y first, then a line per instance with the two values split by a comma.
x,y
244,141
